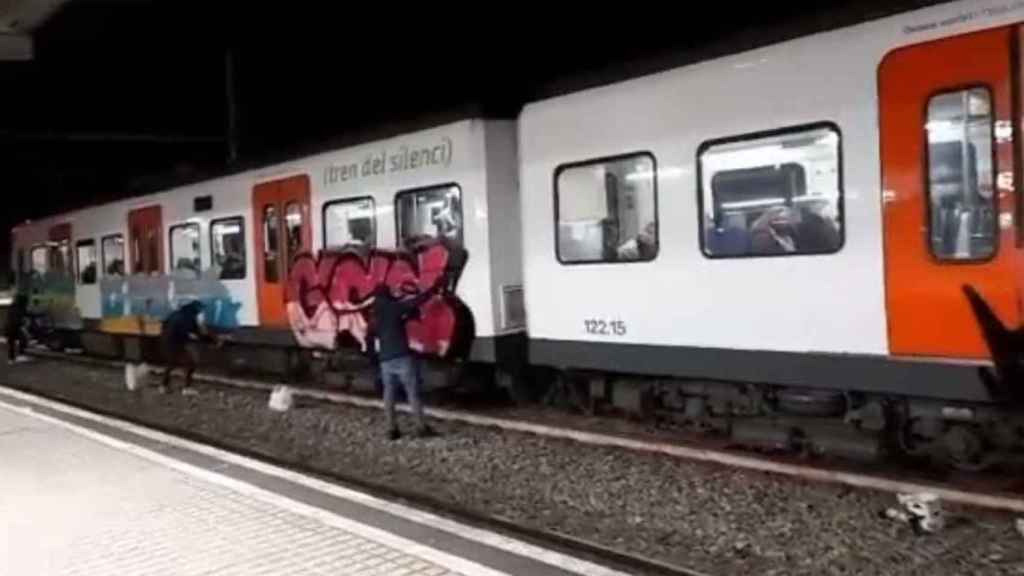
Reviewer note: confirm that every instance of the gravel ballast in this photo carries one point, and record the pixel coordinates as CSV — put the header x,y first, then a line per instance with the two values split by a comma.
x,y
706,517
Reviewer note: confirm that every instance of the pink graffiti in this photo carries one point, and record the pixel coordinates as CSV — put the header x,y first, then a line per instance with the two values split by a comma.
x,y
331,296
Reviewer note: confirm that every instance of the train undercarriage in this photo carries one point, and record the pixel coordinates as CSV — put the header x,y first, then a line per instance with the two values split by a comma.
x,y
830,423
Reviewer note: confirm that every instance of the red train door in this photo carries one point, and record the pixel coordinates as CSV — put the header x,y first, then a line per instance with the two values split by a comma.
x,y
146,240
282,230
947,123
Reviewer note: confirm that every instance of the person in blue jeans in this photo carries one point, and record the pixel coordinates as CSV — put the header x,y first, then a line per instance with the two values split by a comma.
x,y
398,364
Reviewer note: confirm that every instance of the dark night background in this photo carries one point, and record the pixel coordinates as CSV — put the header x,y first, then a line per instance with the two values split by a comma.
x,y
125,97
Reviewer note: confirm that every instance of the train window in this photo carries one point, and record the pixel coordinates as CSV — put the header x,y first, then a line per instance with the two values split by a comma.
x,y
350,221
607,210
227,247
429,213
185,247
962,221
772,193
40,259
113,255
271,244
293,228
60,257
86,260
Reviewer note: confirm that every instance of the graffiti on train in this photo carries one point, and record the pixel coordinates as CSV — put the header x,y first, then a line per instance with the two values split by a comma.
x,y
156,296
330,297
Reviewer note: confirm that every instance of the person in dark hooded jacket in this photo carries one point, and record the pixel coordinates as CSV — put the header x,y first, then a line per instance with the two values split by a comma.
x,y
17,341
398,364
179,328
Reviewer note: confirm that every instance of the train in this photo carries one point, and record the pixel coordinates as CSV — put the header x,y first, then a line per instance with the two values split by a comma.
x,y
814,245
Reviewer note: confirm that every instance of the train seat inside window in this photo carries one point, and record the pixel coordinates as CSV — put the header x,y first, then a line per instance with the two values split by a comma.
x,y
772,194
429,213
963,218
113,255
607,210
227,247
350,222
185,249
86,260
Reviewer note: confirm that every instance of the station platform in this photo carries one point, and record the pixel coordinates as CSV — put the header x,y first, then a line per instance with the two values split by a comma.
x,y
81,494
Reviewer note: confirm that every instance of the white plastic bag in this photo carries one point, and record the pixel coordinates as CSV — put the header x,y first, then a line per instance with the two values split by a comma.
x,y
135,375
924,511
281,399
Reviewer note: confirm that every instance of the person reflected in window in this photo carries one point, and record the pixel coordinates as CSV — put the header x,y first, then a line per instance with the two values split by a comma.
x,y
643,247
89,274
790,230
447,220
115,268
610,239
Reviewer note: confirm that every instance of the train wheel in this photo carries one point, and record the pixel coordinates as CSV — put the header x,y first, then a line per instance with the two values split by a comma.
x,y
516,386
964,448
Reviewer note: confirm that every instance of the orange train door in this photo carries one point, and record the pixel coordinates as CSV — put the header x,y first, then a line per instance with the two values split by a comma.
x,y
947,127
146,240
283,230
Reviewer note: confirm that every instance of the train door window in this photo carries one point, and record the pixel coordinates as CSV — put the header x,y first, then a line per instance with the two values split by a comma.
x,y
40,259
86,261
227,247
153,250
136,249
22,268
60,260
293,229
772,193
185,248
350,221
429,213
271,244
113,255
606,210
146,240
963,223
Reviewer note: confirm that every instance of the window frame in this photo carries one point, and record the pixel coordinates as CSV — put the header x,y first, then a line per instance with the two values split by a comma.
x,y
213,257
605,160
170,245
373,204
78,262
750,136
927,167
407,191
103,254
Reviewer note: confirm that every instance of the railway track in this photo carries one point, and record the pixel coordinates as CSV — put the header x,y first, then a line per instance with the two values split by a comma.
x,y
472,469
572,546
970,490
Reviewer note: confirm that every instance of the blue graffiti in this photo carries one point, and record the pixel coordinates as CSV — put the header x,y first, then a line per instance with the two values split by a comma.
x,y
155,297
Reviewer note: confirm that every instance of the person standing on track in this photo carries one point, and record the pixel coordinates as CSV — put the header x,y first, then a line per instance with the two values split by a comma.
x,y
17,341
179,328
398,364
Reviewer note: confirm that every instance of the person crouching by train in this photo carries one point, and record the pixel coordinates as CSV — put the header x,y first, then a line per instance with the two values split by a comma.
x,y
180,327
17,340
398,364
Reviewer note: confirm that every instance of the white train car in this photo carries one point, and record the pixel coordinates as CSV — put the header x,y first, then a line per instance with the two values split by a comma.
x,y
829,227
232,241
806,214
